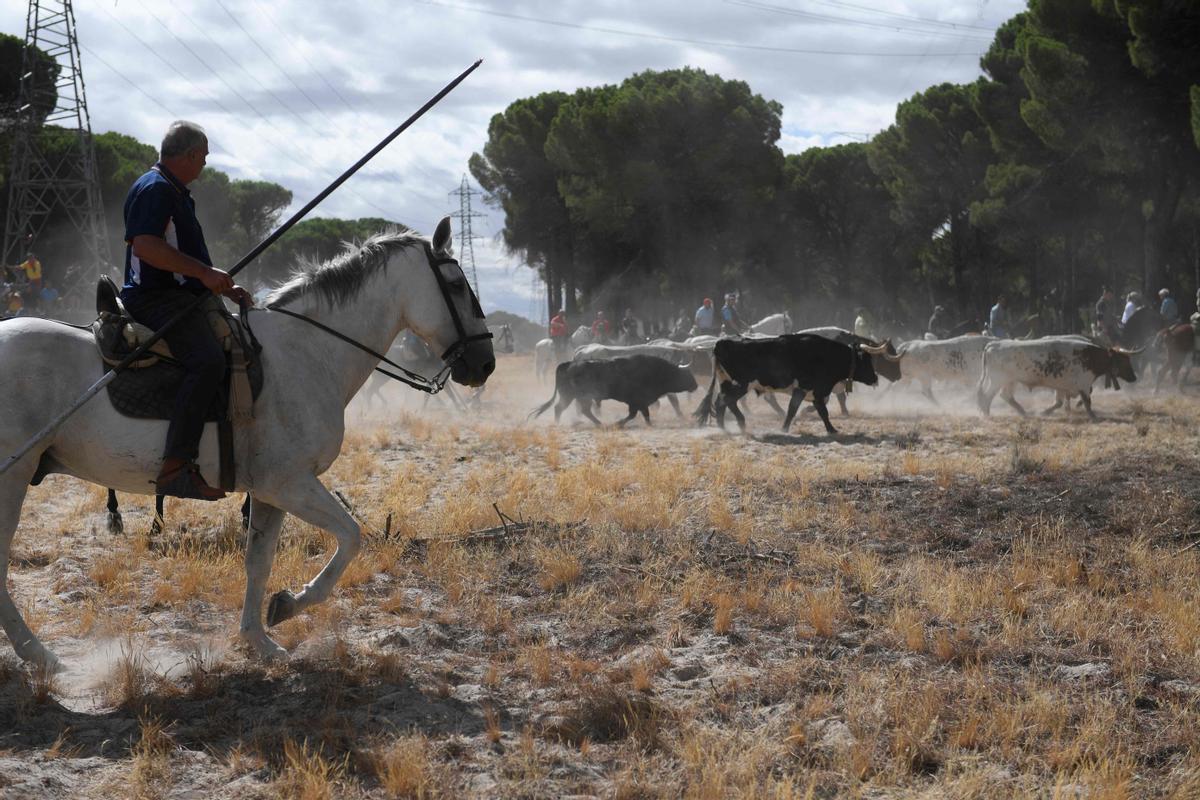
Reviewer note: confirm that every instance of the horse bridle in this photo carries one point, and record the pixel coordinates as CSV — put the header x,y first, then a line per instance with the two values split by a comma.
x,y
453,353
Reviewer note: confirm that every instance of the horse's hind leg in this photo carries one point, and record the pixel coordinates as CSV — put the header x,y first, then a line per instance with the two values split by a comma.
x,y
115,523
309,500
160,518
261,538
12,495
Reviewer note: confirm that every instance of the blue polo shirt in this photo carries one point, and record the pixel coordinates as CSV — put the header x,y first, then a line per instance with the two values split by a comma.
x,y
159,205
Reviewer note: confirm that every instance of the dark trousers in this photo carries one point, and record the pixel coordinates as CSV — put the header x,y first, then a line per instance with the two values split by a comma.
x,y
195,346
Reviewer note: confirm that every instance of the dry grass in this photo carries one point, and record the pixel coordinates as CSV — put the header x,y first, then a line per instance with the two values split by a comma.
x,y
931,605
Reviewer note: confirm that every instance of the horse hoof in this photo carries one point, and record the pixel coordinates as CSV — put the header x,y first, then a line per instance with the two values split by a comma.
x,y
266,648
115,524
282,607
42,659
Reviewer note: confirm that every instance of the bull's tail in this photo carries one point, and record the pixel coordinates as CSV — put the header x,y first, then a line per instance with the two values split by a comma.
x,y
705,409
537,412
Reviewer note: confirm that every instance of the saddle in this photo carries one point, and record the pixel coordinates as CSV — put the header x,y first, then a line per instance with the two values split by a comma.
x,y
146,389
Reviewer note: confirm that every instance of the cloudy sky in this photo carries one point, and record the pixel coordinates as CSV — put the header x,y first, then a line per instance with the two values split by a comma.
x,y
295,91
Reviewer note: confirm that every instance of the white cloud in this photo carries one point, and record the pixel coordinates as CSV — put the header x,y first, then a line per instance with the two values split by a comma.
x,y
356,70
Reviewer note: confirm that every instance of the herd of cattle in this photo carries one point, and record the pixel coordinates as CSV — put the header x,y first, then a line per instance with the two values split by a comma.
x,y
818,362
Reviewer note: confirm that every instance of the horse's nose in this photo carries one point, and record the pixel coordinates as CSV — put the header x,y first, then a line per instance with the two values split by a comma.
x,y
489,367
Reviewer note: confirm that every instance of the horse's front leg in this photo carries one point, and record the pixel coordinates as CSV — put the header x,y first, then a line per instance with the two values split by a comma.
x,y
309,500
261,539
23,640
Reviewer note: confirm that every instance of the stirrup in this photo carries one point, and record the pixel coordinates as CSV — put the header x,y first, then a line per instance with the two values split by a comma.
x,y
187,482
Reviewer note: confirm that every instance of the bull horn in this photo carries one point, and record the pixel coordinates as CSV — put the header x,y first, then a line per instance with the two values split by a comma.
x,y
887,355
1123,351
877,350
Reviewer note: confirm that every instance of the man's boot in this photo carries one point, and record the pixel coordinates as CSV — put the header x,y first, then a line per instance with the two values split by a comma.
x,y
181,478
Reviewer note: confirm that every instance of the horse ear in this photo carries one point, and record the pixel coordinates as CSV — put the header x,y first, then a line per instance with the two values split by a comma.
x,y
441,236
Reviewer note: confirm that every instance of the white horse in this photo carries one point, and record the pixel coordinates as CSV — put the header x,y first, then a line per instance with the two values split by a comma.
x,y
392,282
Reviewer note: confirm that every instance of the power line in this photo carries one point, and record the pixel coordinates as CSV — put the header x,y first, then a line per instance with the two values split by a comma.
x,y
829,18
430,176
906,17
676,39
300,52
121,75
200,29
283,72
320,73
291,157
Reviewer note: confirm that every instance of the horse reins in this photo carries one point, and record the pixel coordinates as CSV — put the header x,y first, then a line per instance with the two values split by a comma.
x,y
453,353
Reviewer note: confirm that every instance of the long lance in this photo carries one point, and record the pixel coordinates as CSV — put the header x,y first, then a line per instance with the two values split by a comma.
x,y
108,377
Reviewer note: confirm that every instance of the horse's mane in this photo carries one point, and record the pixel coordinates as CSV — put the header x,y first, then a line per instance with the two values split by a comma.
x,y
340,278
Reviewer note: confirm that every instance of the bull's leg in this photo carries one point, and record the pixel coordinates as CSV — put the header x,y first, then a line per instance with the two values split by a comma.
x,y
841,398
793,406
675,405
563,402
927,390
773,403
1007,394
585,408
1086,399
646,414
115,523
633,412
823,410
1058,401
730,394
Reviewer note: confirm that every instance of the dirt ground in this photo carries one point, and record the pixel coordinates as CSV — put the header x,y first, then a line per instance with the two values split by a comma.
x,y
928,604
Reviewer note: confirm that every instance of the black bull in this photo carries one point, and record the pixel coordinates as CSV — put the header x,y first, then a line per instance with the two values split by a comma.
x,y
799,363
637,381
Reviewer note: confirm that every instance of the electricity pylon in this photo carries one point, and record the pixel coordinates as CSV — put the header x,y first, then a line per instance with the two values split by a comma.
x,y
44,179
465,234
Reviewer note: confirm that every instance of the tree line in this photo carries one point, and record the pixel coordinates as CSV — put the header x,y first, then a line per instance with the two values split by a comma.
x,y
235,214
1070,164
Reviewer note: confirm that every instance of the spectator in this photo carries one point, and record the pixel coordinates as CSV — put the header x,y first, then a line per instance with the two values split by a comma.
x,y
601,328
1133,301
864,324
706,319
1106,315
33,272
48,297
730,319
939,323
629,327
998,318
1169,309
560,334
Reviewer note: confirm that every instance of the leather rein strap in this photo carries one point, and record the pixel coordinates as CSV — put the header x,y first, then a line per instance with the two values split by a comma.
x,y
453,353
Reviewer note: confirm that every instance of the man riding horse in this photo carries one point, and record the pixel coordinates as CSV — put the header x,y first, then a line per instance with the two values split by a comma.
x,y
166,267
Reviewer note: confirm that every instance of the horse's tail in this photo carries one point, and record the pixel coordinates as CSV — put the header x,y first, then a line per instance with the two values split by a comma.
x,y
705,409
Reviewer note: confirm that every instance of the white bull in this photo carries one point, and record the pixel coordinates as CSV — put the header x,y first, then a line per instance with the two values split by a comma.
x,y
958,360
1068,365
673,352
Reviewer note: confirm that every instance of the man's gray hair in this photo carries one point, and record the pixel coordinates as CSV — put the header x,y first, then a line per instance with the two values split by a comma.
x,y
181,137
